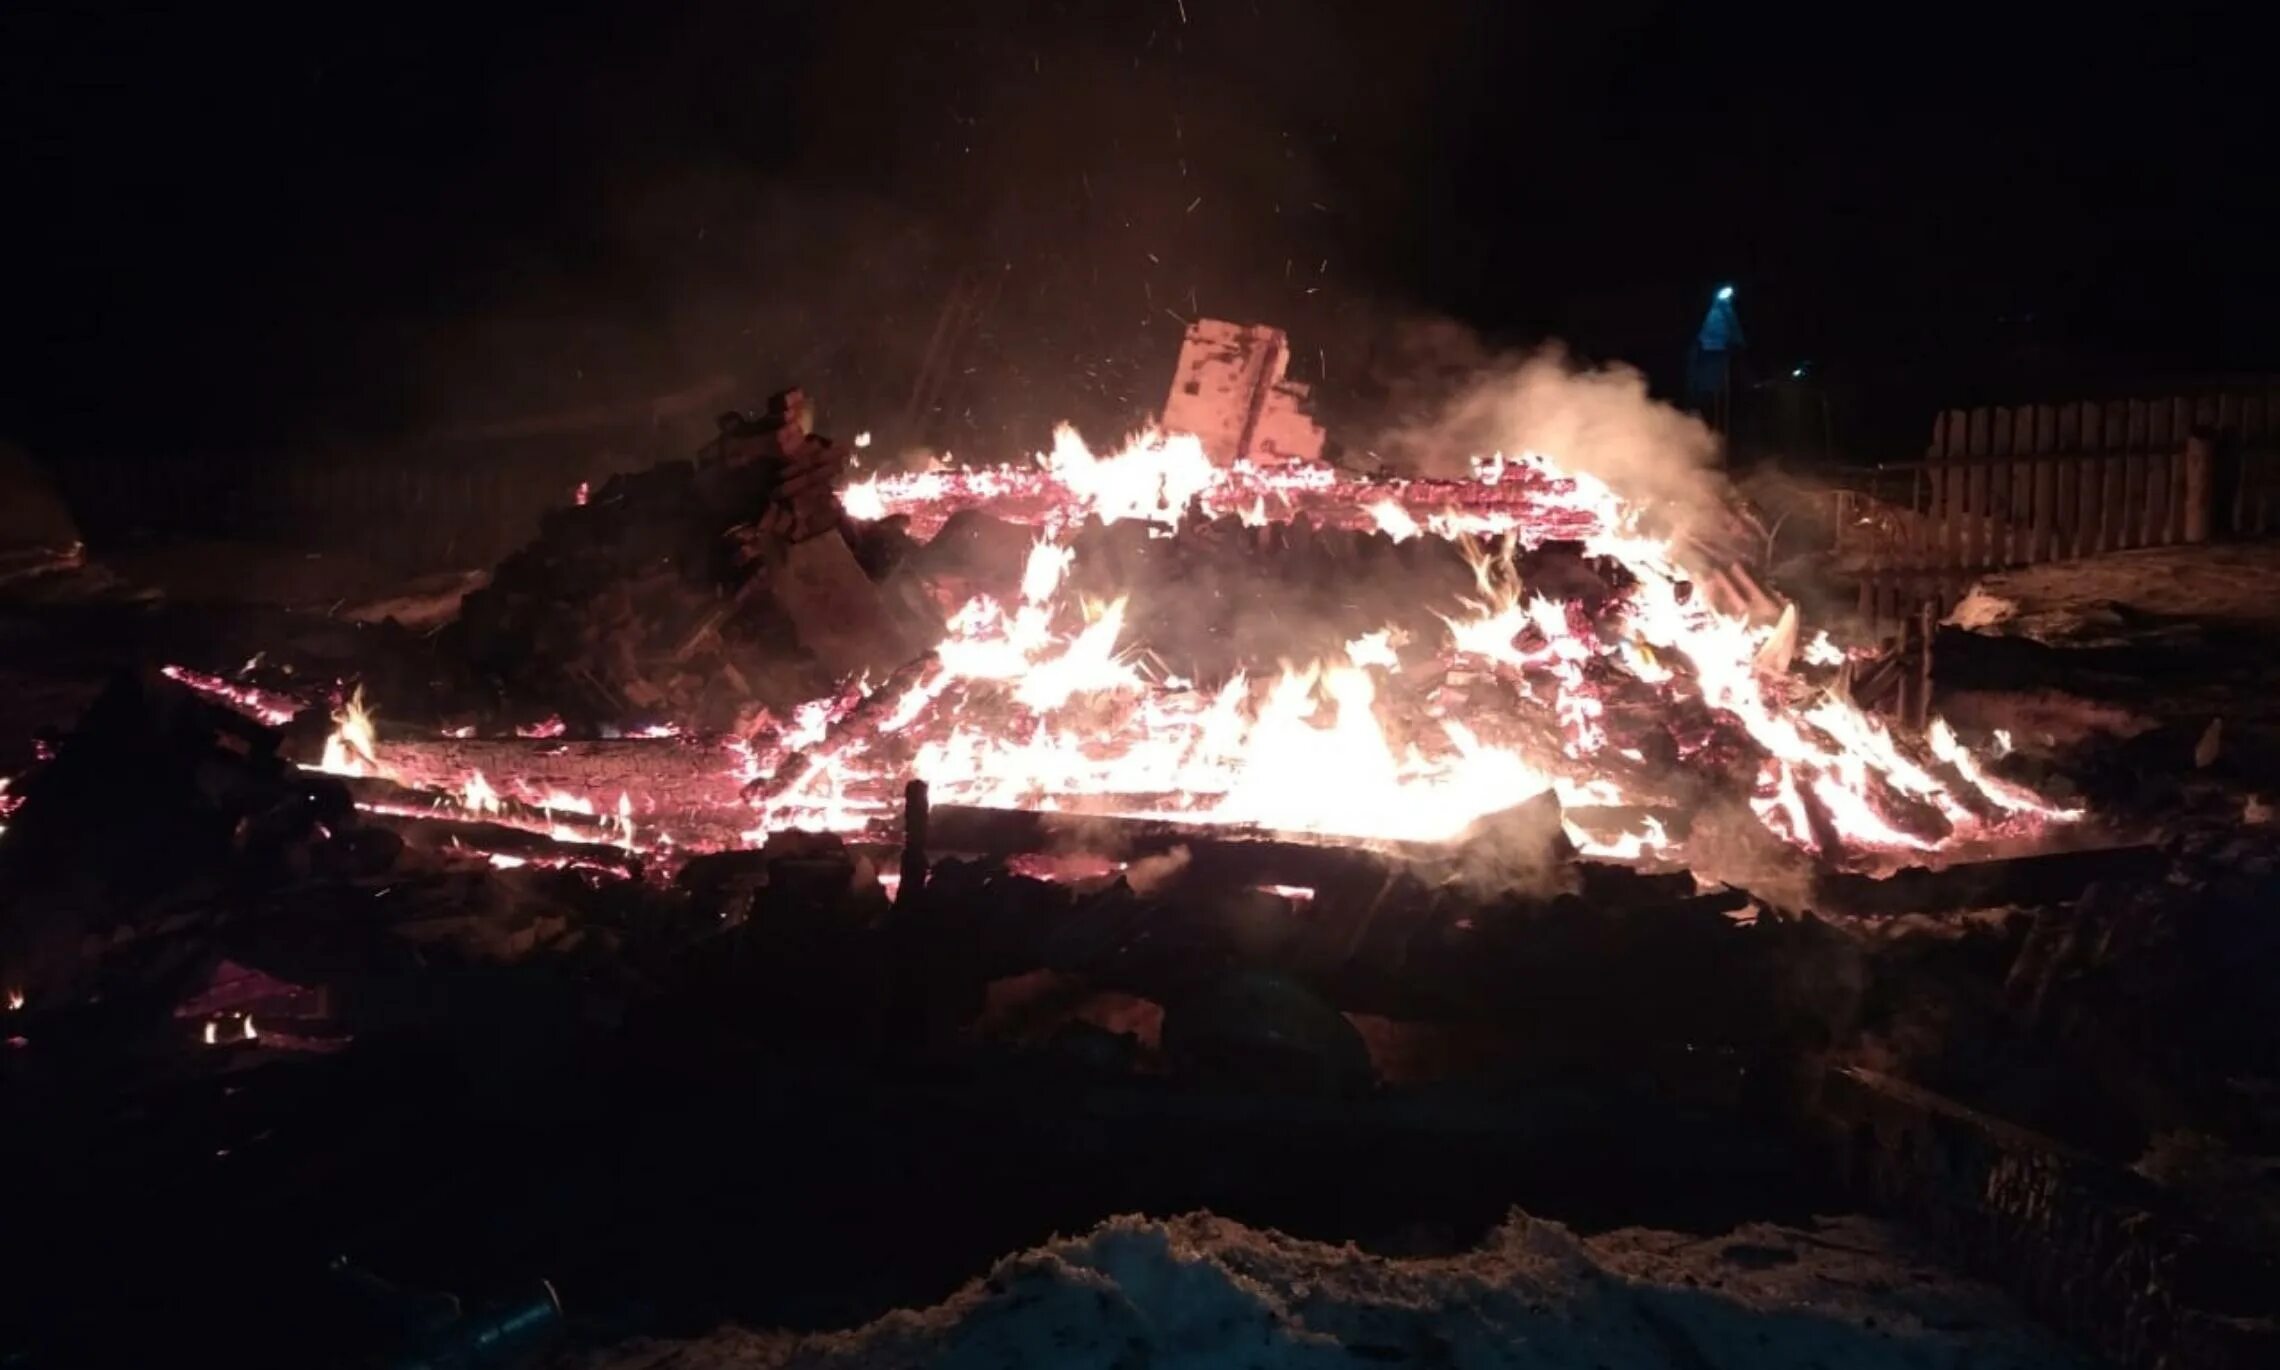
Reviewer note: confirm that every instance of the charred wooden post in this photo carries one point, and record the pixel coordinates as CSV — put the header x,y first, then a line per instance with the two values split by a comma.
x,y
915,816
1915,658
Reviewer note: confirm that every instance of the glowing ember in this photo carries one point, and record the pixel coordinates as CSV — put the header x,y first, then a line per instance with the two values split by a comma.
x,y
273,709
478,796
1158,478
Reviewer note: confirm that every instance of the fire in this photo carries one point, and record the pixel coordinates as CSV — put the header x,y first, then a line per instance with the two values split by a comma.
x,y
1039,696
1393,520
478,796
864,501
354,747
1042,705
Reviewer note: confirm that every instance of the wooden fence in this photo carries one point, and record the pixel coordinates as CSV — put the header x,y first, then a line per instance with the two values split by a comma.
x,y
2019,485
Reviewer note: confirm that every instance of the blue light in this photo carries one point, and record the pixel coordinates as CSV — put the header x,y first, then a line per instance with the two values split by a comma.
x,y
1725,292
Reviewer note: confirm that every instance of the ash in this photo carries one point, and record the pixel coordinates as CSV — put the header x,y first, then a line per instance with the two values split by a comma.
x,y
1205,1292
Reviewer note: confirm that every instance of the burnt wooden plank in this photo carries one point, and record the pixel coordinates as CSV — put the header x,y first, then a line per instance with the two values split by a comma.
x,y
2113,484
2158,474
2070,480
1920,525
1973,498
2051,877
2183,492
1976,527
1939,531
2019,511
2042,542
2068,514
2161,474
1995,516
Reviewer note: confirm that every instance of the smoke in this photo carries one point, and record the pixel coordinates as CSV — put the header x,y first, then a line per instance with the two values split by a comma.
x,y
1521,850
1599,421
953,226
1152,873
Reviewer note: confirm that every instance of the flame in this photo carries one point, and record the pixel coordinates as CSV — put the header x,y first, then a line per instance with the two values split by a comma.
x,y
1374,649
1035,698
15,1000
354,747
478,796
863,501
583,493
1393,520
1016,718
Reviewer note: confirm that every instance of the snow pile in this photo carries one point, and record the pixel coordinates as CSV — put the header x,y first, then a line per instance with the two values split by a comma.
x,y
1205,1293
1980,610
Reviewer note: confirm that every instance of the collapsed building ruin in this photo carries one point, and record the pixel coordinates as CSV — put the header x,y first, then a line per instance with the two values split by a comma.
x,y
1204,779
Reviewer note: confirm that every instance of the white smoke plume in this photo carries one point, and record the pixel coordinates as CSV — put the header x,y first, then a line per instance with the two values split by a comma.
x,y
1600,421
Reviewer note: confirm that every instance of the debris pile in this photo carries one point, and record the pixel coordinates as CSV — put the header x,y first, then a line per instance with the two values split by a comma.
x,y
255,884
695,591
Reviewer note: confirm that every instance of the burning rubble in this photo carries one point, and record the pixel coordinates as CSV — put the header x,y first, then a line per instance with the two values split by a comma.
x,y
1142,777
1268,649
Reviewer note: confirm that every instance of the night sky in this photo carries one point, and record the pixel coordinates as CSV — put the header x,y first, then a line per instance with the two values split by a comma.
x,y
242,229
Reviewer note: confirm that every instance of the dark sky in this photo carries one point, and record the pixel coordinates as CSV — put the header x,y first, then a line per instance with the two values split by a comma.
x,y
238,228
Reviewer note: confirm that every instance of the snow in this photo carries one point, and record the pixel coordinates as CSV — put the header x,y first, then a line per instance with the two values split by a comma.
x,y
2115,598
1980,610
1204,1293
